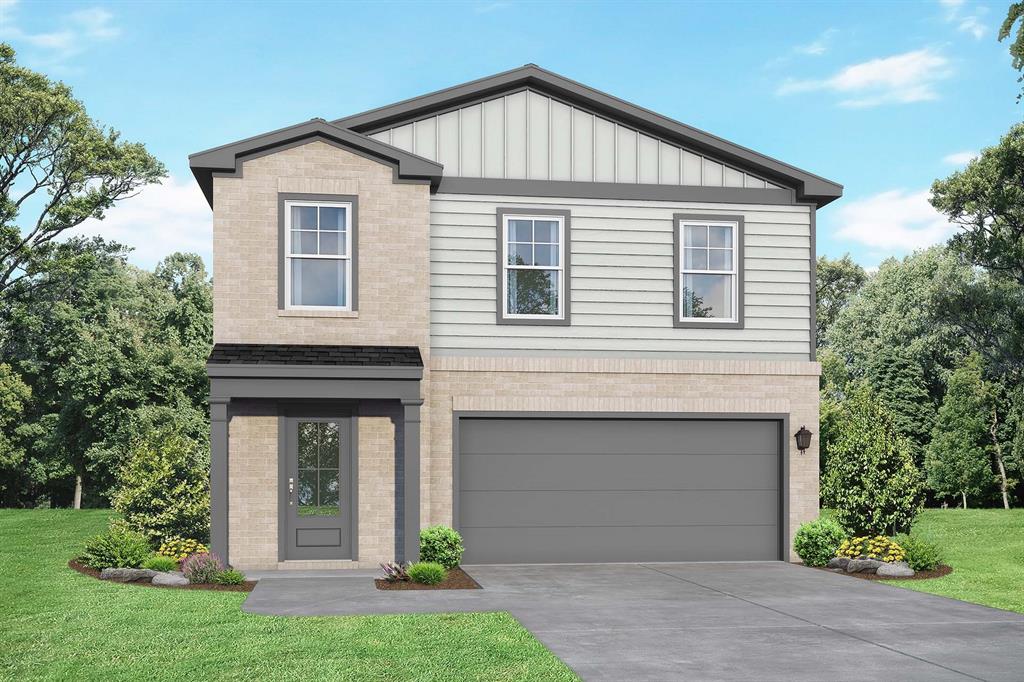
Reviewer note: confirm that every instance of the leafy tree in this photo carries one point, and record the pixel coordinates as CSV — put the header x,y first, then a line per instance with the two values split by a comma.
x,y
957,459
54,156
986,199
899,384
837,281
1015,13
14,394
870,479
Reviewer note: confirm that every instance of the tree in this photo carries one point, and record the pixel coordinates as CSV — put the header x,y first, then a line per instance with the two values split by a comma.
x,y
870,479
986,199
837,282
957,460
14,395
1015,13
899,384
54,156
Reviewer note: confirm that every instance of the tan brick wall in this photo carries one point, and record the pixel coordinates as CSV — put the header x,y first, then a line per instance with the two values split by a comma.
x,y
252,492
376,490
620,385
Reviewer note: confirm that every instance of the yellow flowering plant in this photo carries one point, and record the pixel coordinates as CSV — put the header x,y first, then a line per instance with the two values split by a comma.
x,y
179,548
878,547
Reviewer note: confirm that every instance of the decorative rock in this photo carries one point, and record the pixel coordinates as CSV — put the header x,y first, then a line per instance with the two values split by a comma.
x,y
899,569
126,575
863,565
175,578
839,562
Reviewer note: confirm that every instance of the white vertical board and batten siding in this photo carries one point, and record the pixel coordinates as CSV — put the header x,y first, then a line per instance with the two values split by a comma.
x,y
529,136
622,281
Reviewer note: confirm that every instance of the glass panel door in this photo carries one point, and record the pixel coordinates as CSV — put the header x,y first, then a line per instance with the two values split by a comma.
x,y
319,455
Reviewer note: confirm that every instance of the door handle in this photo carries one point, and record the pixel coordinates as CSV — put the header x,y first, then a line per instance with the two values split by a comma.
x,y
291,491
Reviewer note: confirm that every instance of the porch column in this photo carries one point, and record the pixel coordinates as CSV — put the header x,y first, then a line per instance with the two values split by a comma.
x,y
411,488
219,477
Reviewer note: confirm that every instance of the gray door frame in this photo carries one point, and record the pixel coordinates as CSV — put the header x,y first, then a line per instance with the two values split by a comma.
x,y
781,418
288,416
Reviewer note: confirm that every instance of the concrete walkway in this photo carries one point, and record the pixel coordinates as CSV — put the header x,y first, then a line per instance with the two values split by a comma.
x,y
770,621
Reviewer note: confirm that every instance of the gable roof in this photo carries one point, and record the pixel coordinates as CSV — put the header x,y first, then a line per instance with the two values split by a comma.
x,y
809,187
228,158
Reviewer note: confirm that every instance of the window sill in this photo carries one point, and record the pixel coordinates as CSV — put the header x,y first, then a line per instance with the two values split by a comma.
x,y
295,312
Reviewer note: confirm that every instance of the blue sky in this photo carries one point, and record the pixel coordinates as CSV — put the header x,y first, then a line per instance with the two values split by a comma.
x,y
881,97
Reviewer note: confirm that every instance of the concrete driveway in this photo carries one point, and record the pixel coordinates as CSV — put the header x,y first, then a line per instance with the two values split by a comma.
x,y
741,621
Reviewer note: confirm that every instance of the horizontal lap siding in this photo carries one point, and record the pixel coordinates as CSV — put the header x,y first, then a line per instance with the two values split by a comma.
x,y
622,280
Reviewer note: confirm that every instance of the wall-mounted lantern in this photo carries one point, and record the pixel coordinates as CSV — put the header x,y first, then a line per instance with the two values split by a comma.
x,y
803,439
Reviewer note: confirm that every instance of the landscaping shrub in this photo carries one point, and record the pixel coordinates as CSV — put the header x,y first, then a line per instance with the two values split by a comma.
x,y
178,549
870,479
441,545
202,567
158,562
921,554
117,548
427,573
230,577
878,547
818,541
394,572
163,491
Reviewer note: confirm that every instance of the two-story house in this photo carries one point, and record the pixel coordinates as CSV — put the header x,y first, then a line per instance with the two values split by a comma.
x,y
572,328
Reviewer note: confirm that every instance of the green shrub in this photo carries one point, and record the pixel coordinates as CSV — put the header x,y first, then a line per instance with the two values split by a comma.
x,y
878,547
117,548
427,573
921,554
158,562
870,481
441,545
230,577
163,490
818,541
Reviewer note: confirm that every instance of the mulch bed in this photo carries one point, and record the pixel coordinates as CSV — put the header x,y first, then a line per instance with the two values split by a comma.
x,y
457,580
247,586
920,575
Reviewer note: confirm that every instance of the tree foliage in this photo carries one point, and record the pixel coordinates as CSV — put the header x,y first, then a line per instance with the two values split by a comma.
x,y
899,384
870,479
837,282
1014,14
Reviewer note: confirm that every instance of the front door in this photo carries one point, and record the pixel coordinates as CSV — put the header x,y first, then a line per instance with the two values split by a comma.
x,y
319,488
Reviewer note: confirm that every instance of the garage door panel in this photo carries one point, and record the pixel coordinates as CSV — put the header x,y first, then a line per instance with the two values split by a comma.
x,y
596,436
554,471
582,545
617,508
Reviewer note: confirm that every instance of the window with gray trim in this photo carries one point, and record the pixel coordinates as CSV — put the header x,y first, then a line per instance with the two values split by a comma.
x,y
708,271
533,267
318,254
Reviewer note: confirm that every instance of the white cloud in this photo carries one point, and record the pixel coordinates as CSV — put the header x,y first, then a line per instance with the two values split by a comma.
x,y
160,220
893,221
818,46
959,158
966,22
899,79
72,35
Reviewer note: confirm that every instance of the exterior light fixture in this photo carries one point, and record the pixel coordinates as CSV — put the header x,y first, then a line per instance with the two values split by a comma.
x,y
803,439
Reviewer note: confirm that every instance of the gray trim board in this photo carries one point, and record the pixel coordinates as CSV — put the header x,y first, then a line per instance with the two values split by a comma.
x,y
784,444
411,481
282,239
313,389
219,443
810,187
814,283
677,265
615,190
501,282
227,160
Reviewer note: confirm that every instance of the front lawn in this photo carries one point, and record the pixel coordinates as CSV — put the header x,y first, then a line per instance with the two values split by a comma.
x,y
59,624
985,547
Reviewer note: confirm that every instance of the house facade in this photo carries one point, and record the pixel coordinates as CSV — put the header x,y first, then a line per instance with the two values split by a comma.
x,y
572,328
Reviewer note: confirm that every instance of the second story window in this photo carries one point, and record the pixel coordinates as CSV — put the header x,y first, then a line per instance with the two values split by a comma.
x,y
708,286
318,255
534,271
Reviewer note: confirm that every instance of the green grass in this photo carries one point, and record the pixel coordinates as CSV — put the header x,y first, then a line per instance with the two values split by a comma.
x,y
59,624
985,547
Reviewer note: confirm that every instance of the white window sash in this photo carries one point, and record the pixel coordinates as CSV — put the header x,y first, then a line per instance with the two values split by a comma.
x,y
559,268
732,272
291,256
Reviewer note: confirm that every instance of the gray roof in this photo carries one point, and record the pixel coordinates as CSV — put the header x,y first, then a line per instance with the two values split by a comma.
x,y
287,354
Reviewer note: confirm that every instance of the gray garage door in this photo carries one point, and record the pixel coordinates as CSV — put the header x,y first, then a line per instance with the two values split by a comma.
x,y
619,490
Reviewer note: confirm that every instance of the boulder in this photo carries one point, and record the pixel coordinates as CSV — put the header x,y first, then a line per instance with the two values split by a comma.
x,y
126,575
899,569
174,578
839,562
863,565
